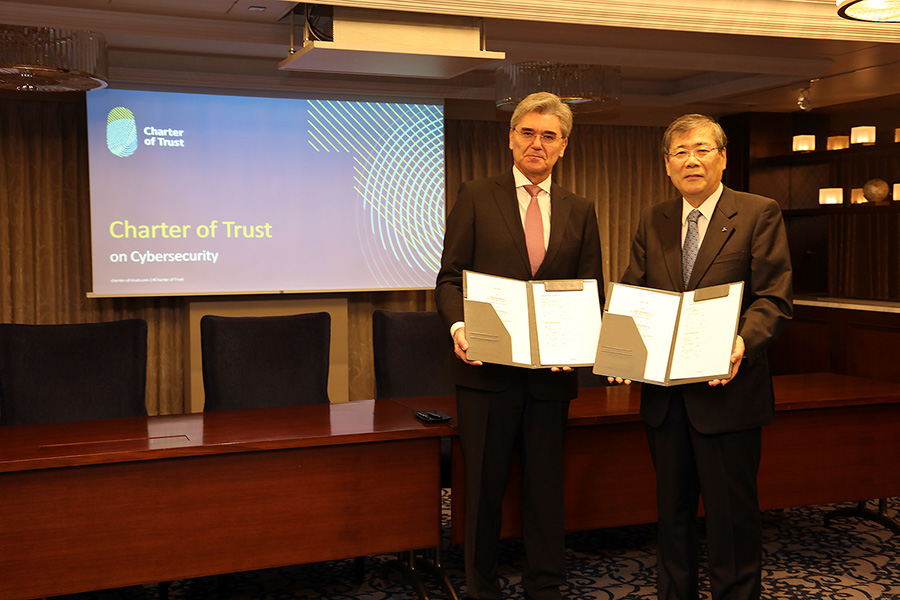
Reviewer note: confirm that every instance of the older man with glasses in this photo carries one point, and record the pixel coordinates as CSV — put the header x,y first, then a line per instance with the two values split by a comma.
x,y
523,226
705,438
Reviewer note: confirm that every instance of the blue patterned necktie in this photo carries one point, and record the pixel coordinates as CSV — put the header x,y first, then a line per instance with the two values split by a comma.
x,y
691,245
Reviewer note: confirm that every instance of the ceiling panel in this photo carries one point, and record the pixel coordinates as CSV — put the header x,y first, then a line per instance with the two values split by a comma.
x,y
220,44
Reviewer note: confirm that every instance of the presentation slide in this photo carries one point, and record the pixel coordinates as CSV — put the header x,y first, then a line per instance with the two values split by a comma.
x,y
206,194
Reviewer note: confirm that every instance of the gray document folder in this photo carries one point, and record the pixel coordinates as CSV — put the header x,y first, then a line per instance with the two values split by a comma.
x,y
668,338
564,313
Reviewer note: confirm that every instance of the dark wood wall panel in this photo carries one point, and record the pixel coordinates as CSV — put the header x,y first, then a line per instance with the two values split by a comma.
x,y
803,348
872,351
865,343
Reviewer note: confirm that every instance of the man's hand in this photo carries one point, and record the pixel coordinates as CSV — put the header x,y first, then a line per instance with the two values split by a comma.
x,y
618,380
460,345
736,357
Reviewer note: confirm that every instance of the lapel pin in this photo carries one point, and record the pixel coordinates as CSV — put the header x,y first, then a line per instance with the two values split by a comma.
x,y
724,229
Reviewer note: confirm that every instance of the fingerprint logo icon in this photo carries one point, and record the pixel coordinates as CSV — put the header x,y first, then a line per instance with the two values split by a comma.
x,y
121,132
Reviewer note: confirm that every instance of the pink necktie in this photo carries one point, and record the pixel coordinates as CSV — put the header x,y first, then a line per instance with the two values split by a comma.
x,y
534,229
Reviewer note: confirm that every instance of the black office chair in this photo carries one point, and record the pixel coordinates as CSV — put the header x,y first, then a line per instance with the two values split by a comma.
x,y
258,362
409,349
255,362
74,372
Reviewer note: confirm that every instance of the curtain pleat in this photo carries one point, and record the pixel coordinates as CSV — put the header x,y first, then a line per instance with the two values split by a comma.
x,y
864,256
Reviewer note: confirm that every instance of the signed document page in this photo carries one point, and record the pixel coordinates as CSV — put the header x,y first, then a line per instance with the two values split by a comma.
x,y
567,323
509,297
655,315
705,338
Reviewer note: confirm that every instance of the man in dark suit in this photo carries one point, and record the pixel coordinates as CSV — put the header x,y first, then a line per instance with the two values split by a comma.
x,y
705,438
501,407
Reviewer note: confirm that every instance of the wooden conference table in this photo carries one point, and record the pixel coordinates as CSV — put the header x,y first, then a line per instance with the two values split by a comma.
x,y
119,502
835,438
103,504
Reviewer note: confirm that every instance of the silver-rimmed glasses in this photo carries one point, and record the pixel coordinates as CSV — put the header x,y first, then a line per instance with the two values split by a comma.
x,y
529,135
700,152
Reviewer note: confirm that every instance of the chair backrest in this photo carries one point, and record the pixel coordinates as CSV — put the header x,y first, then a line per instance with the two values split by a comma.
x,y
410,349
255,362
74,372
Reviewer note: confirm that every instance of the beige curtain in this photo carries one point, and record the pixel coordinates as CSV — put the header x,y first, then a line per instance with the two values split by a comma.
x,y
45,226
45,247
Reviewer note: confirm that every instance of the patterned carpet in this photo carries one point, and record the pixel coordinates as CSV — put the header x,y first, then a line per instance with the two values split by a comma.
x,y
804,560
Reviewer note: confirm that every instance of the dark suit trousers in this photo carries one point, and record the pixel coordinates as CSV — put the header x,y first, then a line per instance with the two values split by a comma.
x,y
723,468
491,426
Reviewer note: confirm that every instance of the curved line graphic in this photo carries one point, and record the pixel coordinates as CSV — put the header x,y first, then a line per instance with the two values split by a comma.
x,y
399,151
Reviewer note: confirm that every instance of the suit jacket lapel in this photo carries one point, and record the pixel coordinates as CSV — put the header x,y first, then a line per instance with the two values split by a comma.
x,y
670,239
508,205
721,227
559,216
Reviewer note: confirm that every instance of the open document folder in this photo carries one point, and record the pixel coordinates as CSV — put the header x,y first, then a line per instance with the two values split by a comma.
x,y
669,338
532,324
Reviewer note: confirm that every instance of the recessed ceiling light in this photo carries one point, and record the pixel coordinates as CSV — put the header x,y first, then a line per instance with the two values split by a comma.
x,y
881,11
256,8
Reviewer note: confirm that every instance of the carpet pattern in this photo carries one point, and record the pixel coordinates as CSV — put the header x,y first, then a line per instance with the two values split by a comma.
x,y
803,560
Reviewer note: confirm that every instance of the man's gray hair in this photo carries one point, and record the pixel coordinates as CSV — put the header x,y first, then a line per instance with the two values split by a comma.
x,y
544,103
685,123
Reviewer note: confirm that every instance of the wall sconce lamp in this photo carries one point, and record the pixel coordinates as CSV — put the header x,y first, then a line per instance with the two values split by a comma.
x,y
831,195
880,11
864,134
838,142
803,143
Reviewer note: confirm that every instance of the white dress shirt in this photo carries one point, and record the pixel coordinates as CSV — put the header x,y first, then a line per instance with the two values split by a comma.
x,y
707,208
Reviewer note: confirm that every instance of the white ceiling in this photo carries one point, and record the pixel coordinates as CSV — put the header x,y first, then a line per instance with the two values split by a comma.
x,y
715,56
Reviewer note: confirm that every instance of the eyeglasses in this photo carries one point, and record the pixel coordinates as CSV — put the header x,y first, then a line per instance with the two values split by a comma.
x,y
682,153
529,135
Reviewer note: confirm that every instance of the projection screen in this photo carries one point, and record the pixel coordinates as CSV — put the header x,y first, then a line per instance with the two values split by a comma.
x,y
196,194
